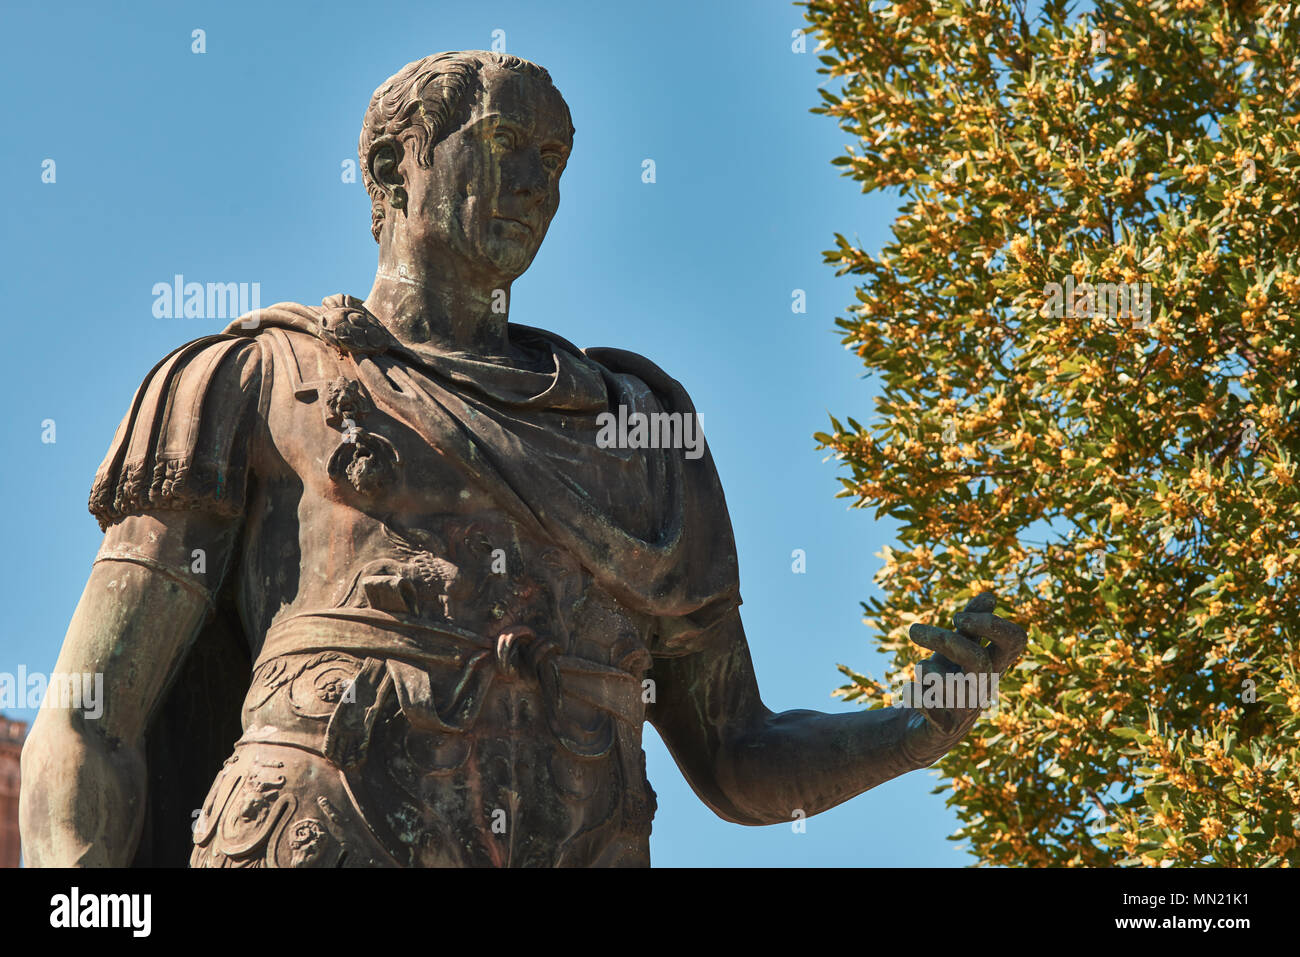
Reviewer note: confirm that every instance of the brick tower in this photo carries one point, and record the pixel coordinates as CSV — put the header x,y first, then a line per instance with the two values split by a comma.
x,y
11,746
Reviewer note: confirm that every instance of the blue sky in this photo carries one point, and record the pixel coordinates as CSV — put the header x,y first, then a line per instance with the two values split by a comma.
x,y
226,166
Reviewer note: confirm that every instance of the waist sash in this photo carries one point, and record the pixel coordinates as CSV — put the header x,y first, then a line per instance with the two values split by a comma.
x,y
580,695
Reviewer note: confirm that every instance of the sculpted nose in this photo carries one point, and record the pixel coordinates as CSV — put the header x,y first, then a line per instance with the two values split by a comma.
x,y
531,180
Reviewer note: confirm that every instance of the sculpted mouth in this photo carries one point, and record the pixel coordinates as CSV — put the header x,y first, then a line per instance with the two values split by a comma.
x,y
518,222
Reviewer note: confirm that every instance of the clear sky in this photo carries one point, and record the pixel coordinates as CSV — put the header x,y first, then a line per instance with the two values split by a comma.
x,y
227,166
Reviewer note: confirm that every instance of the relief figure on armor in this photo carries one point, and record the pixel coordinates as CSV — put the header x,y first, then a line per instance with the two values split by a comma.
x,y
436,611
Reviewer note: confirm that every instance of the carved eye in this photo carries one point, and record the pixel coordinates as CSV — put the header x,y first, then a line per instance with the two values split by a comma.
x,y
504,138
552,161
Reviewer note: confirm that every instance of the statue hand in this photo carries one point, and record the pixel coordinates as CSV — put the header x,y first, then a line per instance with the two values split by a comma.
x,y
961,652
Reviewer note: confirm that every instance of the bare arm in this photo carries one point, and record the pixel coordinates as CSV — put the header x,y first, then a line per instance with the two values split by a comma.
x,y
83,782
754,766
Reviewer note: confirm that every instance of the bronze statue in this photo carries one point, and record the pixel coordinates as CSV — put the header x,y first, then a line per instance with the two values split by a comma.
x,y
388,528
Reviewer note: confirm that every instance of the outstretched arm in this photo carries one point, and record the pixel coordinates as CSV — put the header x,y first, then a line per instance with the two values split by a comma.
x,y
83,783
754,766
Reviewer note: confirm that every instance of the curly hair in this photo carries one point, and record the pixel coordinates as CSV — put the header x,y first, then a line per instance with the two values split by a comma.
x,y
423,102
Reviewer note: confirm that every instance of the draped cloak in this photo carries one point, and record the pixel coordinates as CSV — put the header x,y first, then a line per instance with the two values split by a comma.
x,y
525,433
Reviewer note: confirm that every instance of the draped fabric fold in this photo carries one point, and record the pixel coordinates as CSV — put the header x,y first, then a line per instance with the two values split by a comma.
x,y
184,443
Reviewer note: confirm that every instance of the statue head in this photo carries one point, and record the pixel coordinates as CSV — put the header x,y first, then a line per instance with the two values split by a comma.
x,y
462,154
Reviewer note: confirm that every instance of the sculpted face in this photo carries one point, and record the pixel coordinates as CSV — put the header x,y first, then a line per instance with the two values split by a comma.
x,y
494,184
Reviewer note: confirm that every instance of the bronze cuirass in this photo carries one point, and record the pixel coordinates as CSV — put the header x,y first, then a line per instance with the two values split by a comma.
x,y
437,680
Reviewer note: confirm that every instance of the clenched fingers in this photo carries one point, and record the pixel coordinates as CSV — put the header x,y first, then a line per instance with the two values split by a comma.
x,y
1006,637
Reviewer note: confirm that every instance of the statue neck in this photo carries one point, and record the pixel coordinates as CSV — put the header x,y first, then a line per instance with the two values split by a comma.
x,y
435,307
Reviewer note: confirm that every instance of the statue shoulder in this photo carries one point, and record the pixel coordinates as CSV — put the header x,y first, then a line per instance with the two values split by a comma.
x,y
340,322
188,439
621,362
185,439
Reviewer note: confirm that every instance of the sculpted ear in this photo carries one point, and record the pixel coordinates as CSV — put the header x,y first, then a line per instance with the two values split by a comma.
x,y
384,160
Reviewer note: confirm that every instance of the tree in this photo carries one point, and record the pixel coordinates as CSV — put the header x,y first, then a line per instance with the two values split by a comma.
x,y
1121,471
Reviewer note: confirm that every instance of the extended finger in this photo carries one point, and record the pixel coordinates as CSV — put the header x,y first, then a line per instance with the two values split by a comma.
x,y
956,648
1003,633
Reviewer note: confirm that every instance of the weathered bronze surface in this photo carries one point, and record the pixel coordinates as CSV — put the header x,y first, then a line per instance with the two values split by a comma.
x,y
391,529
